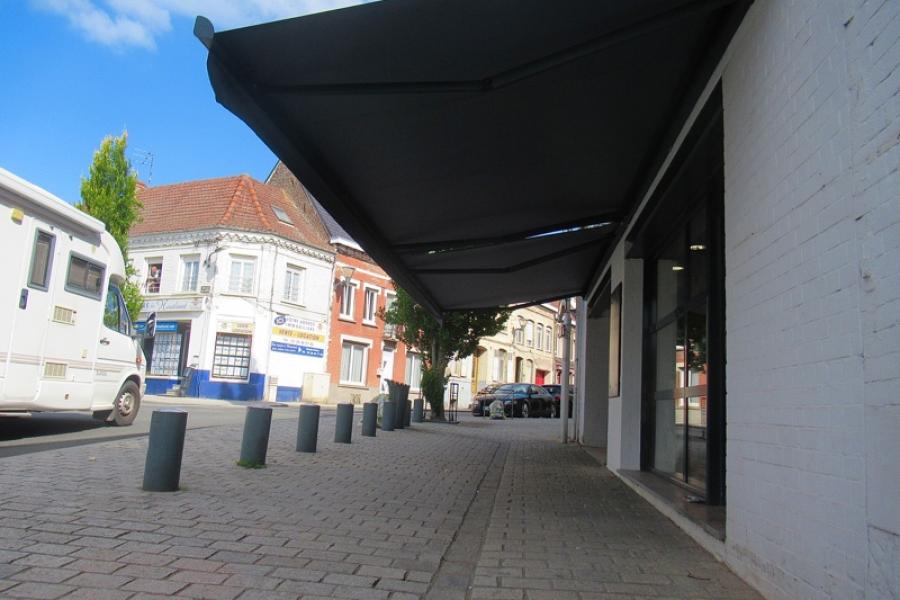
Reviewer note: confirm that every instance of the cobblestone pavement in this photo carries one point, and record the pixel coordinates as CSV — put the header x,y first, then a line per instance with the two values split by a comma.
x,y
440,512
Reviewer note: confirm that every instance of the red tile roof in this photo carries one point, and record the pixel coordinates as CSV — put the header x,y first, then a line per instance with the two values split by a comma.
x,y
238,202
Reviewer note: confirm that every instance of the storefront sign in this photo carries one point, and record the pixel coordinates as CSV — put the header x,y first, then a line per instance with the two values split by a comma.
x,y
172,304
141,326
293,335
234,327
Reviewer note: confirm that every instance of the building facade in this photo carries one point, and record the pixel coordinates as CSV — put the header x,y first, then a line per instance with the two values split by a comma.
x,y
239,282
363,352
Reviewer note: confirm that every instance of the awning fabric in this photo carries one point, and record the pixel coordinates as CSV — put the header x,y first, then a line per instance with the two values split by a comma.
x,y
484,153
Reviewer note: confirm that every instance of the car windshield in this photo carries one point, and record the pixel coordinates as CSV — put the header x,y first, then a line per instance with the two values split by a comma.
x,y
513,388
489,389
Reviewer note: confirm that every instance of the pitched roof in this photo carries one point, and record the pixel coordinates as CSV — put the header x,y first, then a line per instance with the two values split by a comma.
x,y
238,202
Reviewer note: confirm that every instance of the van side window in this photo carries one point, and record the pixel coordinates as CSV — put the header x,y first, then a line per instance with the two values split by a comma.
x,y
124,318
115,316
84,277
41,260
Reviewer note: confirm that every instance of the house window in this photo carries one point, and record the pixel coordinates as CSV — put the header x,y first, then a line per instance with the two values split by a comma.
x,y
231,359
353,363
190,273
154,275
41,258
293,284
500,365
166,353
348,293
529,333
240,279
539,339
371,304
282,216
413,371
518,335
84,277
548,338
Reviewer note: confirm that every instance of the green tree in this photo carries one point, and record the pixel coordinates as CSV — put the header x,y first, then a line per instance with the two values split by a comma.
x,y
440,342
109,193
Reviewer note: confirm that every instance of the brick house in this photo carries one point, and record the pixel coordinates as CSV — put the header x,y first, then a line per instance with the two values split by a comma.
x,y
362,351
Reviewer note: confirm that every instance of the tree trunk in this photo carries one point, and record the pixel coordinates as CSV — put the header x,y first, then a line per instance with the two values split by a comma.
x,y
433,384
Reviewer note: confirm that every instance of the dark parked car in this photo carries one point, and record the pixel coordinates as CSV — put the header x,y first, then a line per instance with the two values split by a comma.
x,y
479,408
519,400
555,390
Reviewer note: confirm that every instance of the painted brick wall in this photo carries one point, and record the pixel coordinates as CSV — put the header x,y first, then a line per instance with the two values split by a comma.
x,y
812,124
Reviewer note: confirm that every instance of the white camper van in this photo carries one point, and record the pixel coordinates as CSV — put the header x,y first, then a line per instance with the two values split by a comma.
x,y
67,341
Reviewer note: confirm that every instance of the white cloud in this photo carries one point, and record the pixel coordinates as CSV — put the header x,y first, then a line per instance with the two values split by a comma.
x,y
137,23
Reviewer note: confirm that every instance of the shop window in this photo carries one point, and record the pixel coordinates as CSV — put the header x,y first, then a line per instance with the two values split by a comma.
x,y
240,278
154,276
231,359
166,355
353,363
41,259
190,273
84,277
293,284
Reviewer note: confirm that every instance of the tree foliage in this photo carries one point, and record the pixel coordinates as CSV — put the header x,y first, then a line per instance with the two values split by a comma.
x,y
455,338
109,193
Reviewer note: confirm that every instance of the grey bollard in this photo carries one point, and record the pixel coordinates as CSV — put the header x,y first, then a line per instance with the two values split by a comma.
x,y
418,415
343,424
255,443
162,470
308,428
398,414
387,416
370,418
407,413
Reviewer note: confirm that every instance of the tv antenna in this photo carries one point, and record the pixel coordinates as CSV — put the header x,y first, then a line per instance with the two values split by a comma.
x,y
144,157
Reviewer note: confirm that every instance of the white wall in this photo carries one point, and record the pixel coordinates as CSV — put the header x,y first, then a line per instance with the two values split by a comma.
x,y
812,230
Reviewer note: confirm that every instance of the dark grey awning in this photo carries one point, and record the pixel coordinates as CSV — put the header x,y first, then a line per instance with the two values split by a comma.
x,y
484,152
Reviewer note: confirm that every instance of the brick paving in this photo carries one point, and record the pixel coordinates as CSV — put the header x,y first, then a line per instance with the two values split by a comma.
x,y
439,512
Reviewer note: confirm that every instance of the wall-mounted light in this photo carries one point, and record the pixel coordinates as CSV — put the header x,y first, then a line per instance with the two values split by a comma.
x,y
677,268
345,273
697,247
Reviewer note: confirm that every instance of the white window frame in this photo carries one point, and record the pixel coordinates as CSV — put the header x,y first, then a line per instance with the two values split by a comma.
x,y
413,377
156,260
185,260
290,272
501,358
231,358
539,337
529,333
367,348
348,315
243,259
376,291
548,339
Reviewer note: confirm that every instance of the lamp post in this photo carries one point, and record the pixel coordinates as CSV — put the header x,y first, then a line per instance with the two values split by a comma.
x,y
565,320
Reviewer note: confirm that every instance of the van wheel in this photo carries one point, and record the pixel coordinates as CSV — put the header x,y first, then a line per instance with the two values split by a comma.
x,y
127,404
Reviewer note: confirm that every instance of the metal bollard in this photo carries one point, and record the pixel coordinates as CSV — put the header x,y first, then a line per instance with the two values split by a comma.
x,y
343,424
387,416
308,428
418,415
370,418
407,413
255,443
162,470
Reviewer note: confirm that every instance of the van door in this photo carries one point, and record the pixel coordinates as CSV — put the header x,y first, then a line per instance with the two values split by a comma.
x,y
30,314
115,351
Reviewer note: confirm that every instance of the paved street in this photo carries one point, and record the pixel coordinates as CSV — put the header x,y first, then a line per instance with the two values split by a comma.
x,y
43,431
477,510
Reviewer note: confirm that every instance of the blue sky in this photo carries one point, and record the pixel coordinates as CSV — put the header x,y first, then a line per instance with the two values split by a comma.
x,y
75,71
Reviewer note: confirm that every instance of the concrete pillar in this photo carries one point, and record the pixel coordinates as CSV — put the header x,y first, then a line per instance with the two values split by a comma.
x,y
162,469
255,442
308,428
593,375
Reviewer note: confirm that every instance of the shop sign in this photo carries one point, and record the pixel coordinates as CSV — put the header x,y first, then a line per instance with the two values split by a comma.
x,y
141,326
172,304
235,327
293,335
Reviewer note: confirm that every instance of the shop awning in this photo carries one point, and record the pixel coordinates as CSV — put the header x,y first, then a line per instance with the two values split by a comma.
x,y
484,153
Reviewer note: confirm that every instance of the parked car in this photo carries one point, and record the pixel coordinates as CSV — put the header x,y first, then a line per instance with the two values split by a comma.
x,y
519,400
555,390
478,407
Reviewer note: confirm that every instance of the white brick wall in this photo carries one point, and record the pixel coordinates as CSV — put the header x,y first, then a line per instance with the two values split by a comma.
x,y
812,211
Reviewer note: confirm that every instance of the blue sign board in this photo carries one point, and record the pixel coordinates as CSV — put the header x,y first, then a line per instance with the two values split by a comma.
x,y
140,326
297,349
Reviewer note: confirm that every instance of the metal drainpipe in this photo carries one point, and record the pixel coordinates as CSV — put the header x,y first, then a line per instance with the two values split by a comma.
x,y
564,384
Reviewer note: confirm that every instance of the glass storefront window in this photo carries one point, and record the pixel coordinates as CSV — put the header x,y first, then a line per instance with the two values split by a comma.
x,y
166,353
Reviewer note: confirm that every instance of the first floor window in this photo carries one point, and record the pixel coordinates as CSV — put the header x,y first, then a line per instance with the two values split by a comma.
x,y
539,341
353,363
190,273
166,353
500,365
240,279
370,305
293,285
232,356
548,339
154,275
413,370
348,291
